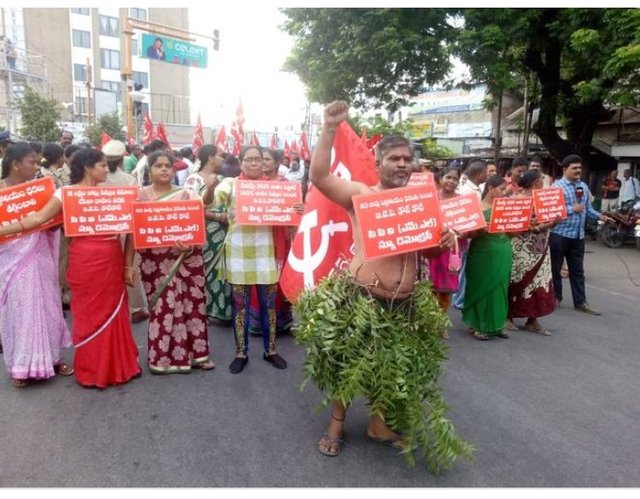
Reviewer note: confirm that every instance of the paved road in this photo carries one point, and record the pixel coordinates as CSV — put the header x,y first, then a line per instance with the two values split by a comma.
x,y
542,411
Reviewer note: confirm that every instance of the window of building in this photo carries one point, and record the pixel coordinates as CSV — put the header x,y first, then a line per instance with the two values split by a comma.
x,y
109,59
134,46
79,72
140,77
138,13
81,38
81,105
111,86
109,26
83,11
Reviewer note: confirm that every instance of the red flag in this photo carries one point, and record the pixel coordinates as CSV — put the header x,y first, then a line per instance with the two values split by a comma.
x,y
162,134
198,137
371,143
221,140
323,242
254,140
305,152
104,138
364,135
149,134
295,153
274,142
287,150
237,130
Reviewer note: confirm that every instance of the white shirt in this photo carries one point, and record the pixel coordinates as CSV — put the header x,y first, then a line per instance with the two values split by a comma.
x,y
630,189
283,170
469,187
138,171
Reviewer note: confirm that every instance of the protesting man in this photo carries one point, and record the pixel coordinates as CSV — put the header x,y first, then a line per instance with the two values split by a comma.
x,y
371,331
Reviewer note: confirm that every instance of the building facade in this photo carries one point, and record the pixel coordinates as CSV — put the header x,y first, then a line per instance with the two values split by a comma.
x,y
83,54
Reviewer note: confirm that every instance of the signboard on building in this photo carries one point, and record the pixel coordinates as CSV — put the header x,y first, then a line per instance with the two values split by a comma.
x,y
163,48
449,101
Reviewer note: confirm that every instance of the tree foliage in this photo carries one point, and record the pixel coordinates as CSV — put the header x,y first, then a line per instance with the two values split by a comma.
x,y
382,56
379,125
39,116
108,123
576,60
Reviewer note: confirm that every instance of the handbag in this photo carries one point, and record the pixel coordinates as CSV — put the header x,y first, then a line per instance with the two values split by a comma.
x,y
455,262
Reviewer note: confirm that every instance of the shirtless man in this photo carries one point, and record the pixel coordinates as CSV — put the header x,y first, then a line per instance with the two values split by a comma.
x,y
388,278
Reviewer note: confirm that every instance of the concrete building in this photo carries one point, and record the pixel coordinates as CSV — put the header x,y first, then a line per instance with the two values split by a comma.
x,y
82,61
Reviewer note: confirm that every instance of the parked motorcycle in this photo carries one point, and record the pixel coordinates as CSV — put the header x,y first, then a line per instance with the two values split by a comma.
x,y
621,226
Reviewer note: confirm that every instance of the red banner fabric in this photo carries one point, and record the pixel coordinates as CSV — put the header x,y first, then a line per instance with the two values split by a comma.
x,y
198,137
324,241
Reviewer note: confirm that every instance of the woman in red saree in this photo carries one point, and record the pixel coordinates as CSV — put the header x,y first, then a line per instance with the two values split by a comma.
x,y
178,339
105,352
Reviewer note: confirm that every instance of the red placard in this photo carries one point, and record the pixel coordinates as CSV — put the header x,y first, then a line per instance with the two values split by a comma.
x,y
511,214
21,200
462,213
549,204
396,221
158,224
267,202
92,211
421,178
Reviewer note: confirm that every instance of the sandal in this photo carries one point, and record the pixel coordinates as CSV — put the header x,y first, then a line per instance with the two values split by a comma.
x,y
445,335
502,334
207,365
479,336
538,330
19,383
326,443
511,326
64,369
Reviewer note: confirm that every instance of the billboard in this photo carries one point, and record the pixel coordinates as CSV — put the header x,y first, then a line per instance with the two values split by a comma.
x,y
163,48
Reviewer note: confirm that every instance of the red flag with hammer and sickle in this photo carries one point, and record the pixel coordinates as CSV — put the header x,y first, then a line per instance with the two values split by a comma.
x,y
324,241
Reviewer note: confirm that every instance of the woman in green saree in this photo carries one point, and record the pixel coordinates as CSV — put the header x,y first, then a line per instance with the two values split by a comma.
x,y
488,270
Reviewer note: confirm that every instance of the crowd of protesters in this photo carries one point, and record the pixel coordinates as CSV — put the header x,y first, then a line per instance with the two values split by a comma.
x,y
496,280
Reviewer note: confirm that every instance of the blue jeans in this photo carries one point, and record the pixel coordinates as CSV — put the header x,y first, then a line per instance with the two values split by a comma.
x,y
241,302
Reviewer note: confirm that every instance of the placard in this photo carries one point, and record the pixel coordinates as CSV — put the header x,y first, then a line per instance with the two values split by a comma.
x,y
158,224
21,200
511,214
267,202
421,178
92,211
462,213
549,204
396,221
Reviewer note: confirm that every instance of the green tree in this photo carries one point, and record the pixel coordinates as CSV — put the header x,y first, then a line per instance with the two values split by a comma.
x,y
39,116
109,124
367,56
379,125
577,61
580,59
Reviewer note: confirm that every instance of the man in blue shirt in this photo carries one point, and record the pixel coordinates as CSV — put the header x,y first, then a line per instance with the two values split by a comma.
x,y
566,239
